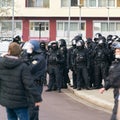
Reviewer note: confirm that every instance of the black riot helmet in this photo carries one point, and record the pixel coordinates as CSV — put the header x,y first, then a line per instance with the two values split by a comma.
x,y
62,43
78,37
89,40
109,37
73,42
17,39
80,44
102,41
43,45
97,37
54,45
75,39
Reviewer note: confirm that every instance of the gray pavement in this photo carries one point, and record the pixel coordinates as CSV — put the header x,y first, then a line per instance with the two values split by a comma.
x,y
104,100
58,106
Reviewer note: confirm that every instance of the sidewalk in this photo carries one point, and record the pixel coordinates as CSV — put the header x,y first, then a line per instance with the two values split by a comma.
x,y
104,100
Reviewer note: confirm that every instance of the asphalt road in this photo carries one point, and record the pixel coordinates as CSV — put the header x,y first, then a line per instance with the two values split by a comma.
x,y
59,106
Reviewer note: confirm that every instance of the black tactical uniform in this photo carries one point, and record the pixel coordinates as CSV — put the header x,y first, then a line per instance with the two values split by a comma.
x,y
54,61
81,62
91,46
63,68
70,63
44,52
101,58
37,65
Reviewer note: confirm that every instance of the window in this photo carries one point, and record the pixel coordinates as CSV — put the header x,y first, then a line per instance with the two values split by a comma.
x,y
60,26
18,25
7,26
65,3
74,2
118,26
118,3
82,2
112,26
102,3
99,3
111,3
5,3
92,3
35,26
74,26
103,27
38,3
97,26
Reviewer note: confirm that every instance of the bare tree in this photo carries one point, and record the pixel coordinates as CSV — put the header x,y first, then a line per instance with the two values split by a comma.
x,y
5,10
5,6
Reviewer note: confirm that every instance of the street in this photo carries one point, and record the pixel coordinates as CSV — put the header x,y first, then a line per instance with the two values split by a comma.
x,y
59,106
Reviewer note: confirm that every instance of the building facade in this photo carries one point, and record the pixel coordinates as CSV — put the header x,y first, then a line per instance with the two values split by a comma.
x,y
55,19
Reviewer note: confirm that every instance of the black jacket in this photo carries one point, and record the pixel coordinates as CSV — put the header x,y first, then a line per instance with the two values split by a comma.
x,y
16,83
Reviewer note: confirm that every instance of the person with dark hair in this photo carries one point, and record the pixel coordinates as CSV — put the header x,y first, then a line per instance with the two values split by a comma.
x,y
16,85
37,64
113,80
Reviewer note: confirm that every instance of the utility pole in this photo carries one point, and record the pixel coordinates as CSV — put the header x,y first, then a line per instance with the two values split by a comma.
x,y
80,18
69,21
108,8
39,31
13,5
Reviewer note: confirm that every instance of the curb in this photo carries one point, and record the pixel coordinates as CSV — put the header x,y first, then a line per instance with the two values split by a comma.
x,y
92,99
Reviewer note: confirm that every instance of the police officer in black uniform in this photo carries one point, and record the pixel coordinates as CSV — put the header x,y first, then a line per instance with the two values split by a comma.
x,y
70,64
64,69
36,61
54,60
101,58
44,52
81,63
91,46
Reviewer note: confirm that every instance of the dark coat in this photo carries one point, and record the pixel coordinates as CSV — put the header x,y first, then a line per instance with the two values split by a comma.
x,y
16,83
113,80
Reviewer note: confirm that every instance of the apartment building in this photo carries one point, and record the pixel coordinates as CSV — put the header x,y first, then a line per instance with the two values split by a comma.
x,y
54,19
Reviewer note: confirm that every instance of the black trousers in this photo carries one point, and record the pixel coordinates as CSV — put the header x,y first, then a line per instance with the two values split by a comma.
x,y
101,72
74,78
82,76
54,77
64,76
32,109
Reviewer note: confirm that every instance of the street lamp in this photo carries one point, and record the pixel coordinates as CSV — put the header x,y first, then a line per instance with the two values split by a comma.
x,y
13,4
80,18
69,18
108,8
39,31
